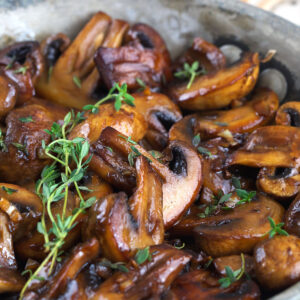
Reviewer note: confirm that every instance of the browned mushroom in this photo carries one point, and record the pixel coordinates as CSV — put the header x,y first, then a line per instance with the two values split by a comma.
x,y
148,280
141,224
218,89
289,114
201,284
10,281
144,56
269,146
208,55
56,284
182,177
282,183
234,262
76,64
160,113
292,217
23,64
8,95
256,113
25,132
277,262
234,231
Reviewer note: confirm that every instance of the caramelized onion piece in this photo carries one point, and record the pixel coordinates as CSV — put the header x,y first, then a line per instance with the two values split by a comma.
x,y
208,55
217,89
8,95
292,217
279,182
256,113
277,262
289,114
148,280
141,224
182,178
270,146
201,284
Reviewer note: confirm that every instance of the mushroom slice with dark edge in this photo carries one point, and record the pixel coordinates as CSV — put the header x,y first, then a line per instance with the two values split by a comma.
x,y
160,113
143,57
269,146
292,217
123,225
288,114
23,64
281,183
255,113
8,95
208,55
218,89
234,231
73,78
147,280
56,284
277,262
182,177
201,284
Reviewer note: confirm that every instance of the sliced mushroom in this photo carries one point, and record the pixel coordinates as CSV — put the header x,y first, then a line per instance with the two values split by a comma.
x,y
141,224
76,63
80,255
127,120
234,231
23,64
292,217
182,177
217,89
289,114
208,55
144,56
279,182
201,284
256,113
160,113
269,146
8,95
23,140
148,280
7,255
22,206
277,262
234,262
10,281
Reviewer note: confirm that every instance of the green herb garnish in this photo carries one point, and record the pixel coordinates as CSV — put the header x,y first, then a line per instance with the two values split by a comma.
x,y
2,144
222,124
118,93
276,229
26,119
204,151
77,81
142,255
196,140
21,147
116,266
22,70
190,72
232,276
141,83
9,191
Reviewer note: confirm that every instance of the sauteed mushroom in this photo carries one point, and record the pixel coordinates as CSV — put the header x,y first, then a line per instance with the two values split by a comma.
x,y
8,95
182,177
292,217
277,262
218,89
141,224
288,114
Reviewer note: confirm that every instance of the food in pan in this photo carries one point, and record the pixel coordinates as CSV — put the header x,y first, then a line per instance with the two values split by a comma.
x,y
126,174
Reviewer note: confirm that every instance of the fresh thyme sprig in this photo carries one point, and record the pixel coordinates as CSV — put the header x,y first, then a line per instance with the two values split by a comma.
x,y
9,191
118,93
142,255
232,276
3,147
54,186
246,197
115,266
275,229
190,72
21,70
